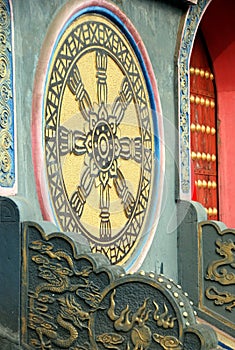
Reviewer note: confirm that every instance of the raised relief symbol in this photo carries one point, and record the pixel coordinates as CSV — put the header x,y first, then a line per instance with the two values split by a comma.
x,y
217,272
73,299
134,324
99,137
101,144
66,290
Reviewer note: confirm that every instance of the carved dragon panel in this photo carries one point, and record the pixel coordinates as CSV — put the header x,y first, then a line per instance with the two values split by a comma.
x,y
74,299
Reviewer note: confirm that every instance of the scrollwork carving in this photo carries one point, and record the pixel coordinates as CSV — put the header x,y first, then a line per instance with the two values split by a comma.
x,y
7,157
191,23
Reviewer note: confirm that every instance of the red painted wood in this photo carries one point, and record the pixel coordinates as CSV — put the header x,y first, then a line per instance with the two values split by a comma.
x,y
218,29
203,119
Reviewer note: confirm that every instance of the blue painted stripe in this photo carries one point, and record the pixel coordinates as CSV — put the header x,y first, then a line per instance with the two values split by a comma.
x,y
223,346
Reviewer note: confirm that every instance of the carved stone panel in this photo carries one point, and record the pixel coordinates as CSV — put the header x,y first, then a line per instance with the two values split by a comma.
x,y
207,267
9,264
217,273
74,299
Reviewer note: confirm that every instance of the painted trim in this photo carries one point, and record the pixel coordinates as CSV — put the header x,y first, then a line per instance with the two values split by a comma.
x,y
191,23
8,149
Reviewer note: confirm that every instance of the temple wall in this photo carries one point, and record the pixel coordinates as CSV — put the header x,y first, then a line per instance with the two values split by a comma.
x,y
158,25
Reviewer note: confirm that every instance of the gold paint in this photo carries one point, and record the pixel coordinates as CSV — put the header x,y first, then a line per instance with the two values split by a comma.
x,y
203,156
197,71
192,70
210,211
167,342
215,211
192,98
193,155
199,155
214,185
202,101
207,74
110,340
221,298
164,319
199,183
207,102
198,127
197,100
211,76
213,131
203,128
208,157
212,104
193,127
208,130
134,322
213,157
202,73
204,184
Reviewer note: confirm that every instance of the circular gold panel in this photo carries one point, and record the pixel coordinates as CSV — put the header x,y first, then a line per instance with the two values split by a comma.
x,y
99,143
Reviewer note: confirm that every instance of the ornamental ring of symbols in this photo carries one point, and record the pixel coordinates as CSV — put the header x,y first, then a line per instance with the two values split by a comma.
x,y
100,140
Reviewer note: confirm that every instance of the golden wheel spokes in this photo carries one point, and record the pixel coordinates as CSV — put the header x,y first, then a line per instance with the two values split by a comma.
x,y
123,192
105,225
131,149
71,141
77,88
101,67
78,198
122,101
97,143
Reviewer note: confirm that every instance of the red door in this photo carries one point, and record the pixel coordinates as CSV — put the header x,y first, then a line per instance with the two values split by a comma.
x,y
203,130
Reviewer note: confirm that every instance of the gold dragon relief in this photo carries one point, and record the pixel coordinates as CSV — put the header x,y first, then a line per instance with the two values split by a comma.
x,y
221,271
67,309
74,299
62,300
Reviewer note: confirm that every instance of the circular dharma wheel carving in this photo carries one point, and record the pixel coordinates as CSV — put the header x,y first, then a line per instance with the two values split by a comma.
x,y
101,161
